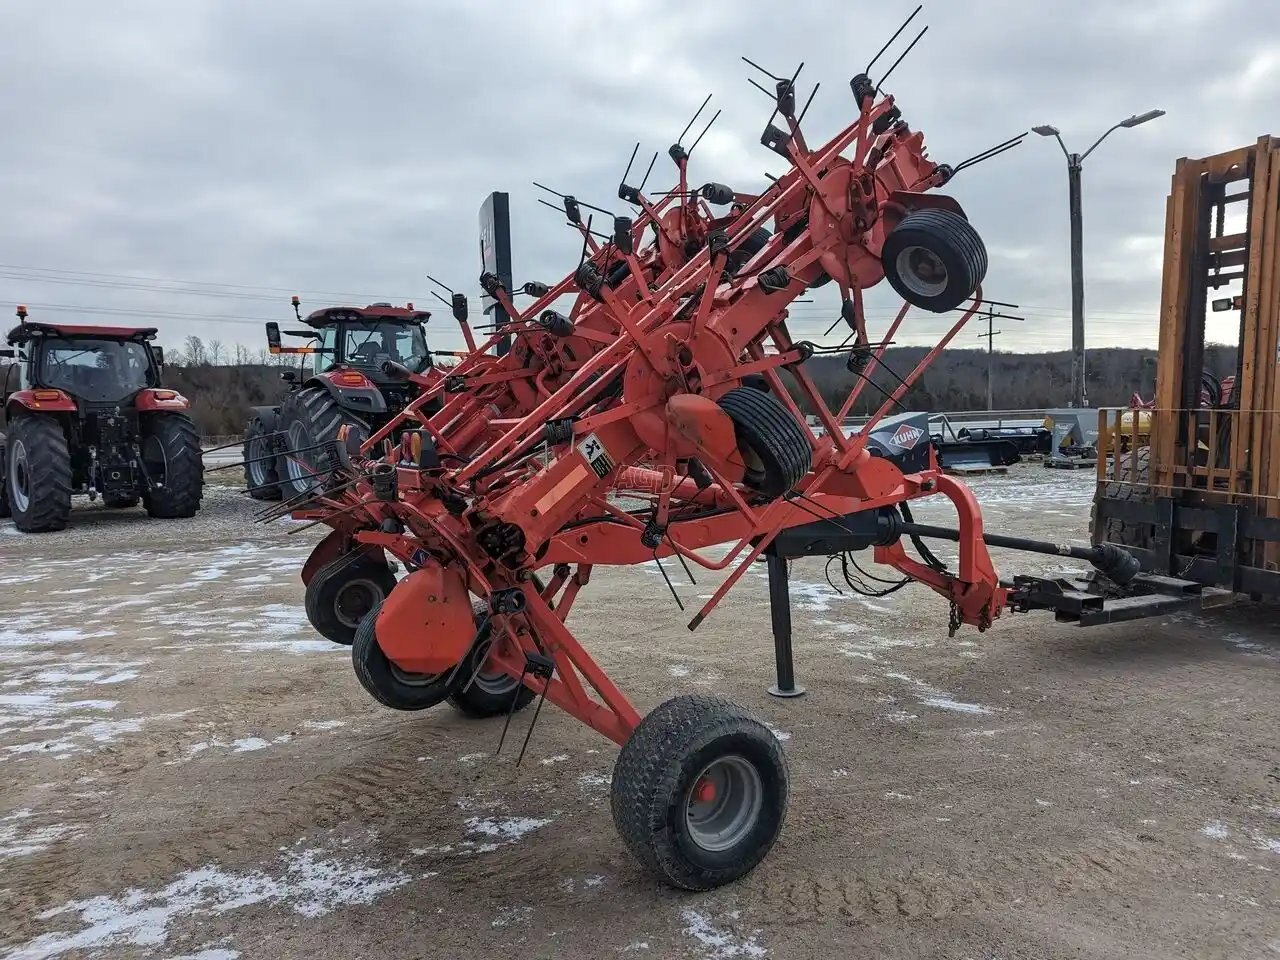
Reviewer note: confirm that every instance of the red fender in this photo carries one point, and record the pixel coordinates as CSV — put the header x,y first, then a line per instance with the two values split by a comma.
x,y
158,399
41,400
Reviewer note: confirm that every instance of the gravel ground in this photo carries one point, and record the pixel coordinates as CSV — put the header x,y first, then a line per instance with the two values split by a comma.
x,y
188,771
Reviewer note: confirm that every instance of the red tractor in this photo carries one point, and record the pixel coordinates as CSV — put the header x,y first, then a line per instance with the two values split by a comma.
x,y
85,413
342,380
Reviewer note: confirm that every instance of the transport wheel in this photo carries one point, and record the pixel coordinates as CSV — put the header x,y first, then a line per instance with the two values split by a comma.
x,y
489,693
37,474
1133,489
749,247
261,470
114,501
386,682
700,791
174,465
309,418
934,259
775,446
343,591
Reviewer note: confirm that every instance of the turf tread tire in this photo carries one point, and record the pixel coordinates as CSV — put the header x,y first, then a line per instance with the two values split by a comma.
x,y
655,769
49,473
321,417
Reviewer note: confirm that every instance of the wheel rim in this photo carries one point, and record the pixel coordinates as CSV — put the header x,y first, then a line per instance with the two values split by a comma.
x,y
413,679
495,683
258,465
19,480
922,271
298,440
355,599
724,803
156,460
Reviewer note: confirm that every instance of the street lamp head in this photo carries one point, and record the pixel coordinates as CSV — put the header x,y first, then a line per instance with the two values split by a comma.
x,y
1045,130
1141,118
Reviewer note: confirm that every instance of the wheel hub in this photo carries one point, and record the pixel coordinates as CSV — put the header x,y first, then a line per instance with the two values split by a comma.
x,y
18,477
355,600
922,270
724,803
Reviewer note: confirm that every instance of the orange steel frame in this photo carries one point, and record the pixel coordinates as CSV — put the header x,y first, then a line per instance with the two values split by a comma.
x,y
649,354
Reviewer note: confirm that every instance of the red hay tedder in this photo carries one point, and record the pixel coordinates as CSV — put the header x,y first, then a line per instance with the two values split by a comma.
x,y
650,375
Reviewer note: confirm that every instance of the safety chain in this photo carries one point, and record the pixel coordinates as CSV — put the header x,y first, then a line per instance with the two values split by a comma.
x,y
953,624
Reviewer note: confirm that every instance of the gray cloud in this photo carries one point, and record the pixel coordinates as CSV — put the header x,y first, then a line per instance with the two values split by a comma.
x,y
347,147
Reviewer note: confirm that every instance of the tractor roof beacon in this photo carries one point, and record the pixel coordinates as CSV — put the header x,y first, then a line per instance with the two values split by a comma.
x,y
85,412
354,373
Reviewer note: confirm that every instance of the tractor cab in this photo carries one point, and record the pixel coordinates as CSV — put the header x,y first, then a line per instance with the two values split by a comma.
x,y
359,339
96,365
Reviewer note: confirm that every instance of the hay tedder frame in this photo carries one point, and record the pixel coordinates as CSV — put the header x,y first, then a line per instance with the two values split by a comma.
x,y
1202,501
641,415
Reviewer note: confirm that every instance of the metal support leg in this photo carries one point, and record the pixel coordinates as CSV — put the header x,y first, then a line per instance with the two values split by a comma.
x,y
780,613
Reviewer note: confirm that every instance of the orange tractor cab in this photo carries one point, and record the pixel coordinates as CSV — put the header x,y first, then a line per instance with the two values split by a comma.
x,y
85,412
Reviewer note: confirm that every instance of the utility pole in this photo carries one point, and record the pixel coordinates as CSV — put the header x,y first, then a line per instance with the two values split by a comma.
x,y
1075,163
991,334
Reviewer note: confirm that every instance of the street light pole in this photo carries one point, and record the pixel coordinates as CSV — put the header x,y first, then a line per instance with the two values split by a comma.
x,y
1079,392
1075,164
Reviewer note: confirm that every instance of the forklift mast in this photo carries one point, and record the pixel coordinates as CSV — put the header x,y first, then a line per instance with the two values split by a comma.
x,y
1206,493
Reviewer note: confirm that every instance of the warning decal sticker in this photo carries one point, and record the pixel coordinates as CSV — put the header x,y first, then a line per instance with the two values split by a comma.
x,y
594,452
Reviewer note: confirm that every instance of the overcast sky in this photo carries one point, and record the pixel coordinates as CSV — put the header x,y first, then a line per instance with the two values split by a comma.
x,y
345,148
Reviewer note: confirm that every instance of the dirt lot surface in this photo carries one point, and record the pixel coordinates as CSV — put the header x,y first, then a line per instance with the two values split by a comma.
x,y
187,770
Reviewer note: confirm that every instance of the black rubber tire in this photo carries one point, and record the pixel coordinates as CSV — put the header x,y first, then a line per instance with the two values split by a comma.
x,y
47,465
181,473
749,247
319,417
4,497
658,769
261,476
383,681
486,696
950,238
114,501
343,591
780,444
1115,530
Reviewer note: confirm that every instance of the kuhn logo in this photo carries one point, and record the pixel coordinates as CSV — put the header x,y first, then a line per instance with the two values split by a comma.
x,y
906,436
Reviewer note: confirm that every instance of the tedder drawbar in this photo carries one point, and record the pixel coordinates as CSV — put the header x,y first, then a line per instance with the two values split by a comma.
x,y
650,376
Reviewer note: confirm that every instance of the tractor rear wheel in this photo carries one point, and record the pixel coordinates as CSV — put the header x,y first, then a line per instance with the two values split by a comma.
x,y
700,791
1133,486
343,591
934,259
174,466
4,473
38,474
775,446
309,418
261,468
386,682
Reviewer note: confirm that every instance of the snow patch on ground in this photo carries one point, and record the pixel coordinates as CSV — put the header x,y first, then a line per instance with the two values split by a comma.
x,y
780,734
719,942
506,829
19,837
311,882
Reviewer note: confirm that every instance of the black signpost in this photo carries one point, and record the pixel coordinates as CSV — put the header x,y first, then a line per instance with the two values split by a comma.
x,y
495,254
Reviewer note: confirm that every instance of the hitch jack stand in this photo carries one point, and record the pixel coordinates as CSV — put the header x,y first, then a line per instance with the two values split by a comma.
x,y
780,614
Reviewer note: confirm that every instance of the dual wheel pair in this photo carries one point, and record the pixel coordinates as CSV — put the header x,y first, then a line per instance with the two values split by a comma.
x,y
699,790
